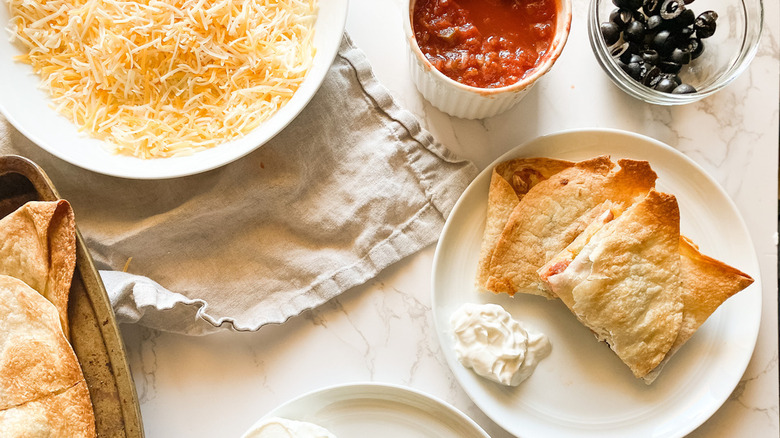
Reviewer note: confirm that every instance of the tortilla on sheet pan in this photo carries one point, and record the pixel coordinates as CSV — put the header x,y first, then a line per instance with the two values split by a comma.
x,y
62,414
42,388
38,246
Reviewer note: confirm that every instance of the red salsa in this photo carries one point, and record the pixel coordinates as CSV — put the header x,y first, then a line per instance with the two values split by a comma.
x,y
484,43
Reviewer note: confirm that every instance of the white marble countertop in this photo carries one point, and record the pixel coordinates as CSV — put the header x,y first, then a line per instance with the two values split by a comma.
x,y
217,386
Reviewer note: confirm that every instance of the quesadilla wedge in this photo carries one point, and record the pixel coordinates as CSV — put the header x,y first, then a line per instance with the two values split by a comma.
x,y
554,212
624,282
510,181
38,246
706,284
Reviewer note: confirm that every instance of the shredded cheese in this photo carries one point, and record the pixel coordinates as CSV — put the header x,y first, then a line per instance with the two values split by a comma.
x,y
160,78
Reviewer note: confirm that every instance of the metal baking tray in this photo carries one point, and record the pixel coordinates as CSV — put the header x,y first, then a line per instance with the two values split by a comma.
x,y
94,331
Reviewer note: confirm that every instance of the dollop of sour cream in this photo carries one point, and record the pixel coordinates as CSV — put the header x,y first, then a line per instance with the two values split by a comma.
x,y
277,427
496,346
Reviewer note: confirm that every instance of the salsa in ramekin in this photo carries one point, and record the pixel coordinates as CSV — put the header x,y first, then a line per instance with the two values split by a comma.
x,y
484,43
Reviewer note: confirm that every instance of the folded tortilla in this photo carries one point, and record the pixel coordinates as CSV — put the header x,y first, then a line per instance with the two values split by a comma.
x,y
36,361
623,281
38,246
706,284
62,414
554,212
509,182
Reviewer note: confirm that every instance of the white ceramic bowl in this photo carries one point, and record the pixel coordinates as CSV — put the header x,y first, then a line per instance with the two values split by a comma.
x,y
468,102
28,109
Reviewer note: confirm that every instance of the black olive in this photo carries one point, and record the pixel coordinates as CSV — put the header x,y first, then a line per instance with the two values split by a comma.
x,y
651,7
639,16
610,32
635,58
625,51
705,24
671,9
670,67
652,77
685,19
628,4
665,85
683,89
694,46
650,56
663,42
634,70
674,78
680,56
621,17
685,33
635,32
654,22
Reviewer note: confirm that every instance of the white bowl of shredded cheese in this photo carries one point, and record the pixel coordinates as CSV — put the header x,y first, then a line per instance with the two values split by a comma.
x,y
161,88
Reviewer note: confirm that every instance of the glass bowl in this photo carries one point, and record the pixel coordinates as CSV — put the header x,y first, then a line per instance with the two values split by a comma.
x,y
726,54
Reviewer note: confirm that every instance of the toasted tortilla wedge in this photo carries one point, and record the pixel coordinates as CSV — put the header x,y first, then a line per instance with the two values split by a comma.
x,y
554,212
35,358
38,246
625,282
707,283
510,181
63,414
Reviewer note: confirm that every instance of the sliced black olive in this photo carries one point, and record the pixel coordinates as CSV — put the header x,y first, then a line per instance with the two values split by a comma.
x,y
650,56
621,17
683,89
639,16
694,46
705,24
685,33
680,56
654,22
635,58
685,19
651,7
634,70
635,32
671,9
610,32
652,77
625,51
670,67
628,4
663,42
665,85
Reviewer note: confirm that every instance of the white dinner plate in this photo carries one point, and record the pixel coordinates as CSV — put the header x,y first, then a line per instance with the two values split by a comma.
x,y
360,410
28,108
582,389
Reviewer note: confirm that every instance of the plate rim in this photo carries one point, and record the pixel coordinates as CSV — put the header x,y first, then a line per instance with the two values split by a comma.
x,y
377,388
144,169
516,152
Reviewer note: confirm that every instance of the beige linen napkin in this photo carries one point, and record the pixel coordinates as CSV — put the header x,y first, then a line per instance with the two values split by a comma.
x,y
350,187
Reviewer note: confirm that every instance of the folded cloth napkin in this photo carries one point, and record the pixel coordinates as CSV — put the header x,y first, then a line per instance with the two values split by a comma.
x,y
351,186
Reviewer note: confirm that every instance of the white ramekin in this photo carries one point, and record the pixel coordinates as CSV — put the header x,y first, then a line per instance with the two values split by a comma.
x,y
467,102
